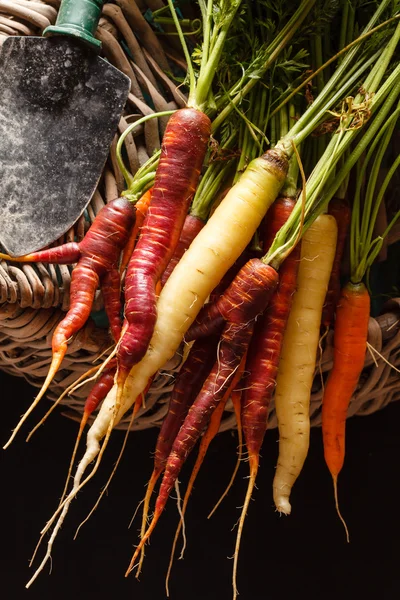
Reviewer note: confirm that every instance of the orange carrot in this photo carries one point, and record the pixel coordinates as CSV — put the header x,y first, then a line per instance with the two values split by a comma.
x,y
350,343
142,206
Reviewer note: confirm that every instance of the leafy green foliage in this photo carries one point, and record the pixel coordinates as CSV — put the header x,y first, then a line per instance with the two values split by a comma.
x,y
323,14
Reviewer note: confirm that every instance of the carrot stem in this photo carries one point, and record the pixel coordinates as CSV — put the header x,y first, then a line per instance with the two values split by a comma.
x,y
315,204
349,59
237,93
362,226
129,178
192,78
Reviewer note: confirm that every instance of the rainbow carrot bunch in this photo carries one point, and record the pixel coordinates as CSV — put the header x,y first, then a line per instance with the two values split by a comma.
x,y
178,172
215,249
225,187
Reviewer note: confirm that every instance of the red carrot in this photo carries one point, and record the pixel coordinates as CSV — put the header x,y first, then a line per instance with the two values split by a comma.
x,y
211,318
209,435
111,289
142,206
265,347
263,357
350,343
188,384
190,229
100,389
208,321
340,209
97,255
182,154
246,298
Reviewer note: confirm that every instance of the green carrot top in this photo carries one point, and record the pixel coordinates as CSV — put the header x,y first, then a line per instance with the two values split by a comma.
x,y
376,93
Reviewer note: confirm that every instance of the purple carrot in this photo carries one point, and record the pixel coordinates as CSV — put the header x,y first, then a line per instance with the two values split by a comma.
x,y
182,155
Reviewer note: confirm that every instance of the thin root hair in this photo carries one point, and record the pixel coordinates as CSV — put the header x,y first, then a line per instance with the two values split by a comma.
x,y
371,348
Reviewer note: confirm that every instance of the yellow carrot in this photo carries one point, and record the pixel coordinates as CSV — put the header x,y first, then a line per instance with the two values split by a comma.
x,y
299,353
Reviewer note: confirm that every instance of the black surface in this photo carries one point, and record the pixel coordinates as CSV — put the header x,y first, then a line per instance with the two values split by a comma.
x,y
301,556
59,109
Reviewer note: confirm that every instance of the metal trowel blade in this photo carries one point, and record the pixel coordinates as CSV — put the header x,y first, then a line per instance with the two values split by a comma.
x,y
59,109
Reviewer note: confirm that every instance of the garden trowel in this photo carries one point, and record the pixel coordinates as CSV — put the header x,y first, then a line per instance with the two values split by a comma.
x,y
60,104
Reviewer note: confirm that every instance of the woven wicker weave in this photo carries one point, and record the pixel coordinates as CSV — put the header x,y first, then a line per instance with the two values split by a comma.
x,y
33,297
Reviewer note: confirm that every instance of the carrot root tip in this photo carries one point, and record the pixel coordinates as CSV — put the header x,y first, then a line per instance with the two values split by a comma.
x,y
335,490
54,366
284,507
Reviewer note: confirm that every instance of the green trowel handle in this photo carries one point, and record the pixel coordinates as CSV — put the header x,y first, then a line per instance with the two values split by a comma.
x,y
78,18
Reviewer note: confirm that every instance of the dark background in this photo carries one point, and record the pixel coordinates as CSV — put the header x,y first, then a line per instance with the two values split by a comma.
x,y
304,555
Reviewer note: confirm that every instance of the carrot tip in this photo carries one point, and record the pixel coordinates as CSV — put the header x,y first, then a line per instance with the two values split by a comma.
x,y
143,541
54,366
283,506
254,462
334,479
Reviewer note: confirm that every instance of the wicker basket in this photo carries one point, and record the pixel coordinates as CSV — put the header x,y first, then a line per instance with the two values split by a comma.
x,y
33,297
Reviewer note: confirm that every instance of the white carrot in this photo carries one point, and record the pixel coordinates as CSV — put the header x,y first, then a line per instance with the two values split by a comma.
x,y
298,358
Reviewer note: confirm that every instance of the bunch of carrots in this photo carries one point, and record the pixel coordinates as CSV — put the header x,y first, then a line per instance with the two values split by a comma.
x,y
229,243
